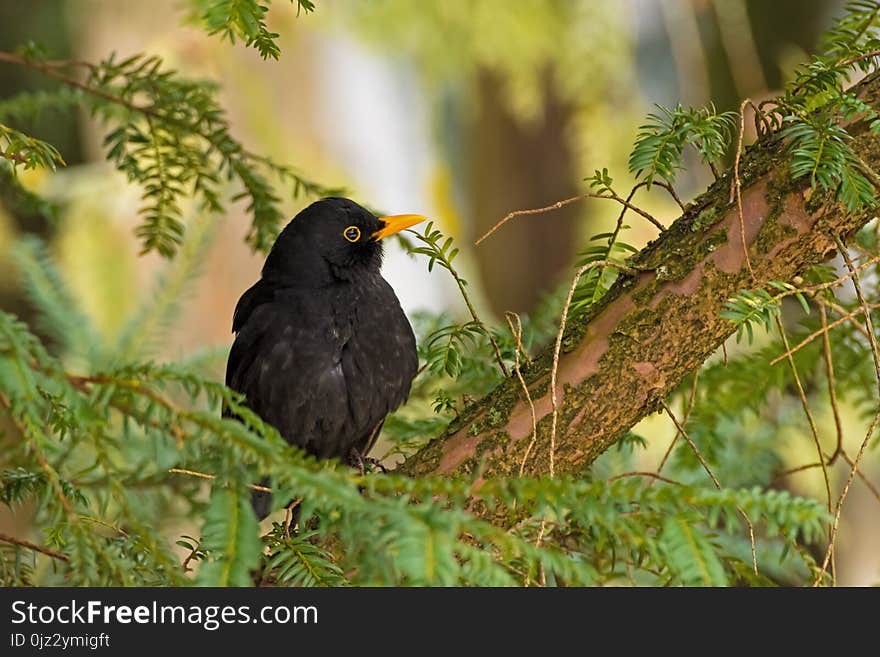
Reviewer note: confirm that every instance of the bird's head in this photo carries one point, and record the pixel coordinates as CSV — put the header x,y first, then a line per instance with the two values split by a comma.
x,y
333,238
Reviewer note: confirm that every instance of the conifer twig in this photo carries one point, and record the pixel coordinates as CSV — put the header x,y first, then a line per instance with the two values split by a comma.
x,y
33,546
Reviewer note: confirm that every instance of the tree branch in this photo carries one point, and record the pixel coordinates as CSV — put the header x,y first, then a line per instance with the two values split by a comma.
x,y
5,538
658,323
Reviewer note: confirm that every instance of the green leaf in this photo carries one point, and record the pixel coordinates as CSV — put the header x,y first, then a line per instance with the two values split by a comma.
x,y
246,20
230,534
59,313
425,554
691,557
661,140
297,561
21,149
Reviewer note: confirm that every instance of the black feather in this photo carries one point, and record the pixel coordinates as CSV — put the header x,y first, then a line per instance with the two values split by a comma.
x,y
323,351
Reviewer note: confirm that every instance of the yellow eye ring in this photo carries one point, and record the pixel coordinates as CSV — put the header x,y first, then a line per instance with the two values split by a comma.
x,y
352,233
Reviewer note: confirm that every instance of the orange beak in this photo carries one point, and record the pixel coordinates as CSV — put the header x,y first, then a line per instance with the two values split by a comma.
x,y
396,223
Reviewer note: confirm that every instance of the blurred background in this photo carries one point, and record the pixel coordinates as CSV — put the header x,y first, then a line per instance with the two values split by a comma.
x,y
462,110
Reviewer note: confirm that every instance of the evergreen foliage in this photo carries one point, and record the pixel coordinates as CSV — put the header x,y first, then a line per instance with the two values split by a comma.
x,y
245,20
165,133
661,141
109,447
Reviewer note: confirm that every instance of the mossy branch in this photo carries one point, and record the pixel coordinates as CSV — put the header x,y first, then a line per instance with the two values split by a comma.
x,y
623,357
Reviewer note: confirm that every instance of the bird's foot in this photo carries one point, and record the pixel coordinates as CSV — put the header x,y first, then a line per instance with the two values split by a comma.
x,y
357,460
376,463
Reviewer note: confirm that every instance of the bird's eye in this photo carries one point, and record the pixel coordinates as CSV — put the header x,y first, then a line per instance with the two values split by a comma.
x,y
352,233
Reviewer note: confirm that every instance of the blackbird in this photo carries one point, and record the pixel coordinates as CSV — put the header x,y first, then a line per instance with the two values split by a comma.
x,y
323,351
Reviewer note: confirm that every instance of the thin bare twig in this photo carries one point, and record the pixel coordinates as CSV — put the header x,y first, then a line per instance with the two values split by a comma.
x,y
806,406
51,69
840,310
33,546
764,127
669,188
203,475
868,484
558,347
865,307
542,576
461,283
829,373
618,226
809,466
875,355
684,421
642,473
795,470
738,184
690,442
821,332
561,204
715,481
812,289
106,524
517,336
849,61
837,513
288,515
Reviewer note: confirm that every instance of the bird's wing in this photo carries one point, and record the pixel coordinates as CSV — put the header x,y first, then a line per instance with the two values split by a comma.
x,y
255,296
379,362
291,375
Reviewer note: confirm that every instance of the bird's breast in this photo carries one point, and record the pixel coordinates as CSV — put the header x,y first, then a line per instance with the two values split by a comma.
x,y
378,353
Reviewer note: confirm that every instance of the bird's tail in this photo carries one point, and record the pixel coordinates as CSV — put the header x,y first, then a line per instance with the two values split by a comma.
x,y
261,501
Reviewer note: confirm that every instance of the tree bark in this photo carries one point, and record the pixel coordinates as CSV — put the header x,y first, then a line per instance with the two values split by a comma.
x,y
620,360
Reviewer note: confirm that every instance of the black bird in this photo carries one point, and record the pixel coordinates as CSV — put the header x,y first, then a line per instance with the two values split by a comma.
x,y
323,351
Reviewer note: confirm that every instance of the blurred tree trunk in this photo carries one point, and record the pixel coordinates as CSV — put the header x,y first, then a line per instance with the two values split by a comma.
x,y
42,22
19,22
521,164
